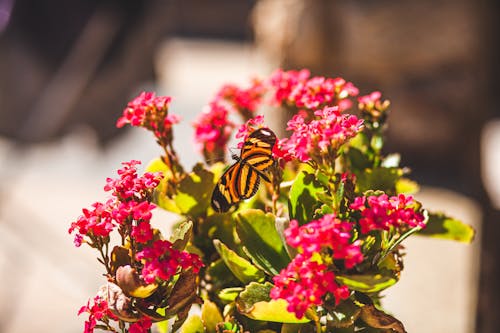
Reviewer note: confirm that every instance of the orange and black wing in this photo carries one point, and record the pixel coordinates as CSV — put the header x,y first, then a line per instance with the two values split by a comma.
x,y
241,180
257,150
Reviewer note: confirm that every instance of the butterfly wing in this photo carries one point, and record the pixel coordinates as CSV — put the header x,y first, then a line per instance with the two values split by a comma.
x,y
241,180
257,150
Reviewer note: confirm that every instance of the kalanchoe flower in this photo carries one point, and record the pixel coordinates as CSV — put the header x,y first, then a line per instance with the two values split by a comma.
x,y
131,201
162,261
141,326
284,82
308,278
244,101
319,139
304,283
373,109
250,126
383,212
213,130
97,311
151,112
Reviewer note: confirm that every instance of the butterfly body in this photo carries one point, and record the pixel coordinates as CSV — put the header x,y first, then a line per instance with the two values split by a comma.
x,y
241,181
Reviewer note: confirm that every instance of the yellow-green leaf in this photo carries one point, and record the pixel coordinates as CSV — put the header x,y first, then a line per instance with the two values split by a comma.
x,y
255,303
239,266
442,226
367,283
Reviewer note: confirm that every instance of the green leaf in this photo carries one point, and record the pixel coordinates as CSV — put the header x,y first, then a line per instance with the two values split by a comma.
x,y
255,303
406,186
220,275
358,160
303,199
191,196
257,232
240,267
181,235
211,316
383,179
193,324
442,226
229,294
344,315
194,192
367,283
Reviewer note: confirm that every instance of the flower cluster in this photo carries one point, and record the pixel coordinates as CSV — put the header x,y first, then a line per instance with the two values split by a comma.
x,y
98,311
244,101
150,111
129,210
213,130
131,201
319,139
162,261
383,212
298,89
308,277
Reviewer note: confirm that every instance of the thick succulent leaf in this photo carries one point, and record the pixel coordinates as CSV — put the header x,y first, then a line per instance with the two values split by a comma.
x,y
181,235
229,294
367,283
442,226
344,315
383,179
379,319
303,200
406,186
257,232
193,324
192,195
220,276
211,316
183,294
255,303
239,266
195,191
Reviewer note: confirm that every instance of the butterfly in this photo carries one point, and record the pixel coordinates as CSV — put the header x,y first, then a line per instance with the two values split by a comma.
x,y
241,180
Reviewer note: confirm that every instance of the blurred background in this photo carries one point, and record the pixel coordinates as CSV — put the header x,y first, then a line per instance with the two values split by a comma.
x,y
68,68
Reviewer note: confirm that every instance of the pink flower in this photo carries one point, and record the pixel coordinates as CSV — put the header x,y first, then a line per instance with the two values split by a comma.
x,y
131,200
97,311
213,128
383,212
151,112
307,279
285,82
245,101
320,138
161,261
250,126
304,283
141,326
142,233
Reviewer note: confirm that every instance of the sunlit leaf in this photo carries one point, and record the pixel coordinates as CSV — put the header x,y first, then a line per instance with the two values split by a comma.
x,y
193,324
211,316
303,199
229,294
442,226
181,235
406,186
240,267
254,302
383,179
257,232
367,283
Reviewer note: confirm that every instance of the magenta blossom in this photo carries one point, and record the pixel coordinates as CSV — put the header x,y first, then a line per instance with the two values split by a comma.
x,y
308,278
319,139
383,212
